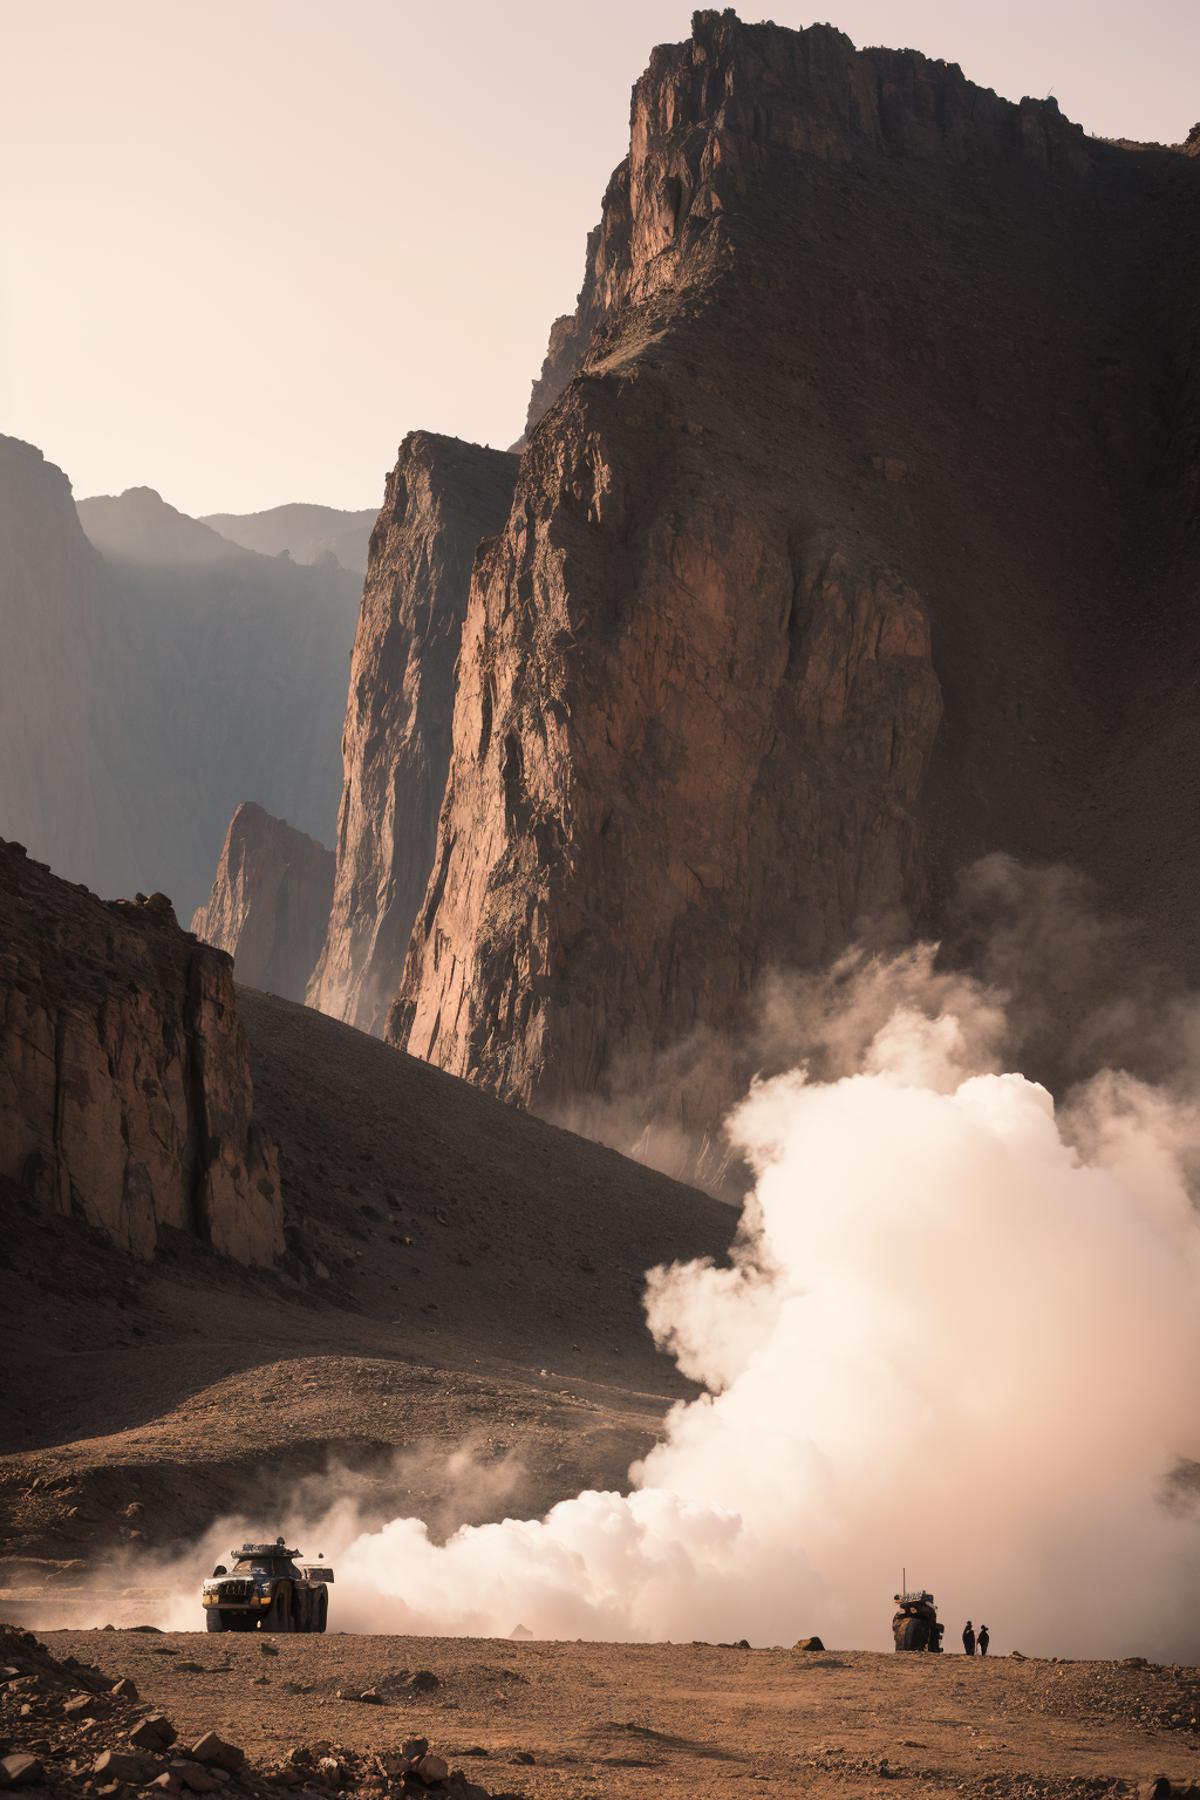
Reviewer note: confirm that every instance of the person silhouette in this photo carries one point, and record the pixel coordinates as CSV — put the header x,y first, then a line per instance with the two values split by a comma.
x,y
983,1640
968,1639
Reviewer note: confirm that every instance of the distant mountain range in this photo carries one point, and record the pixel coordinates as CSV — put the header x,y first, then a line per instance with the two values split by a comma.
x,y
305,533
156,675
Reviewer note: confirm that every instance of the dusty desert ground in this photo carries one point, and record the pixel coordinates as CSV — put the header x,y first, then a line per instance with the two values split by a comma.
x,y
589,1721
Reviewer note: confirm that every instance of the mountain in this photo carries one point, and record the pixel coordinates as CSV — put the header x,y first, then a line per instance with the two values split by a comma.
x,y
68,767
442,497
243,661
156,674
855,535
269,904
128,1100
305,533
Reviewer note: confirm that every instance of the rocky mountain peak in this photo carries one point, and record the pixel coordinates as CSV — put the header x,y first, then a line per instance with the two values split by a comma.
x,y
819,571
269,903
710,116
139,526
442,497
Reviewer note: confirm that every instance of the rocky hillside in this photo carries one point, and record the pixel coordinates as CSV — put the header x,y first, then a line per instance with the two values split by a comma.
x,y
305,533
442,497
853,536
128,1100
269,904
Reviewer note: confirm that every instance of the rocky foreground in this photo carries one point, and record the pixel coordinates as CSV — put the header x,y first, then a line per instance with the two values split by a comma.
x,y
580,1721
68,1729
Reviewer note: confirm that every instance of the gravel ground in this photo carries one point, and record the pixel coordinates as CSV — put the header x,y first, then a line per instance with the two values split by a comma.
x,y
657,1720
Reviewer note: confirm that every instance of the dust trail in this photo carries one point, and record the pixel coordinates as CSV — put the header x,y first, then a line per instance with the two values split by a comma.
x,y
956,1333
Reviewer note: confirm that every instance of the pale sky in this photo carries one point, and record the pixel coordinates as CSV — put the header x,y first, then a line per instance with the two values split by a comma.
x,y
248,244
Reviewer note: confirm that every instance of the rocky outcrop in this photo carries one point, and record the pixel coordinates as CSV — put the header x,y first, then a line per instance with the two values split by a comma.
x,y
820,568
125,1088
269,904
442,497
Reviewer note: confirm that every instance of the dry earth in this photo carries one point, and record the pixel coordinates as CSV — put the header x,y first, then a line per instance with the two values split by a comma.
x,y
586,1721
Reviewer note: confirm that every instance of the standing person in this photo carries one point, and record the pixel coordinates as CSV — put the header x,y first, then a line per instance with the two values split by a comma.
x,y
984,1640
968,1639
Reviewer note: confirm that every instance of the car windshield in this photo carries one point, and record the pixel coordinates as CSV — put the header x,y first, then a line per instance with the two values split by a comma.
x,y
261,1565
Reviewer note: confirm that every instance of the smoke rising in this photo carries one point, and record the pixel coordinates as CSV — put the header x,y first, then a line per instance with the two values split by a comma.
x,y
957,1332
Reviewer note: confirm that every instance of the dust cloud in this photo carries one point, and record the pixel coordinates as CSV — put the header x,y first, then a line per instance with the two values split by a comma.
x,y
957,1333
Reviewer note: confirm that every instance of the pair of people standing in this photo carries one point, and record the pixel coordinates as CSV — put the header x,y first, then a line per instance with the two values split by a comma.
x,y
970,1640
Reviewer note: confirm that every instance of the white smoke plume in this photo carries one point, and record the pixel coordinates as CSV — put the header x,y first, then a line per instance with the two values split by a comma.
x,y
956,1334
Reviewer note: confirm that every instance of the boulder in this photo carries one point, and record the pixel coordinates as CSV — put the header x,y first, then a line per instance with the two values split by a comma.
x,y
213,1749
808,1643
122,1765
154,1732
20,1770
194,1776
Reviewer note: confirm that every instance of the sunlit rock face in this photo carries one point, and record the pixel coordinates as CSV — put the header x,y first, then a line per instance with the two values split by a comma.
x,y
269,905
124,1073
845,500
442,498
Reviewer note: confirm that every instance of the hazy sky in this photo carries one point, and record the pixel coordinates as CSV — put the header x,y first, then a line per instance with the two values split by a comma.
x,y
248,244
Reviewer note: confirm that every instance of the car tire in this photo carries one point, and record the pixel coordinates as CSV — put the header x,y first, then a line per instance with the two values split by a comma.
x,y
279,1615
213,1620
322,1612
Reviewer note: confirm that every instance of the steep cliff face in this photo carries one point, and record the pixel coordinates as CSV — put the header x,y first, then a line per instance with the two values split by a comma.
x,y
822,567
125,1089
65,749
269,904
442,497
152,675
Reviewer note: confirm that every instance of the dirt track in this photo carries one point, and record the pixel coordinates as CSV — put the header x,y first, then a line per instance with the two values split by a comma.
x,y
679,1720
